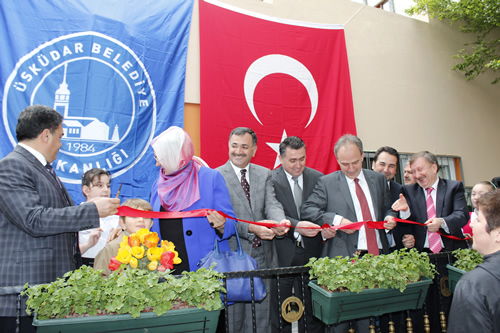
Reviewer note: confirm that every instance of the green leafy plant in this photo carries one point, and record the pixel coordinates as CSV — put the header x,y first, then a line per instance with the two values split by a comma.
x,y
355,274
84,292
467,259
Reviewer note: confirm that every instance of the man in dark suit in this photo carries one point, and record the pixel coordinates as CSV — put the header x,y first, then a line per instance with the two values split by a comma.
x,y
38,219
448,201
440,205
386,161
293,183
253,199
350,195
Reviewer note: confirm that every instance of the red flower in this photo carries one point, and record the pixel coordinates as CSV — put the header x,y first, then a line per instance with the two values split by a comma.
x,y
114,264
161,268
167,259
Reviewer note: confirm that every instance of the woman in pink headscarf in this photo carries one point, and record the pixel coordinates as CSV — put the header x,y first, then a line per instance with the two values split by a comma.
x,y
184,184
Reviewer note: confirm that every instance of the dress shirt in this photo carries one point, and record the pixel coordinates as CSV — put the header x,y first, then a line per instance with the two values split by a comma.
x,y
291,182
357,207
406,214
35,153
238,172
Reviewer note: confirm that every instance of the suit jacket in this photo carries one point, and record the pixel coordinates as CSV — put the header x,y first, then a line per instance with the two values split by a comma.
x,y
395,190
450,205
199,236
264,206
399,231
331,196
37,228
286,246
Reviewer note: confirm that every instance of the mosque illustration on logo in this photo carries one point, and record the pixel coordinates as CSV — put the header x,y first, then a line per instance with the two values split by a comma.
x,y
80,128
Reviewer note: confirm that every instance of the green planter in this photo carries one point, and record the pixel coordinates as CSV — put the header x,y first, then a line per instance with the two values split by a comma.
x,y
181,320
333,308
454,274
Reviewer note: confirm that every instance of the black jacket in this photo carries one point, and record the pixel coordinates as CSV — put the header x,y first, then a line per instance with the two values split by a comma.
x,y
476,304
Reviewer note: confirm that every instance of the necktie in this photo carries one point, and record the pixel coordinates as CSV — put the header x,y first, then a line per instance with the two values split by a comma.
x,y
371,238
297,194
76,247
245,185
246,189
53,173
434,238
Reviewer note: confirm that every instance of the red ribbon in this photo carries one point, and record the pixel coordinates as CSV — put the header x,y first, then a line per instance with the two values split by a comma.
x,y
128,211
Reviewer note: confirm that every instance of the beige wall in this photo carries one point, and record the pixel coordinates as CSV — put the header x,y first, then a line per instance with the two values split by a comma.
x,y
405,93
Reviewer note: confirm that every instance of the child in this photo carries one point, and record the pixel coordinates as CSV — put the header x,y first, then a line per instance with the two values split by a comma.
x,y
129,225
96,183
478,191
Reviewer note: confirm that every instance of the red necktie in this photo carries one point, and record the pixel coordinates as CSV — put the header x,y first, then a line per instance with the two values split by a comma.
x,y
434,238
371,238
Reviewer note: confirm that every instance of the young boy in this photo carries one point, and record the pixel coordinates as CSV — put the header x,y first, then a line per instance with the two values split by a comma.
x,y
96,182
129,226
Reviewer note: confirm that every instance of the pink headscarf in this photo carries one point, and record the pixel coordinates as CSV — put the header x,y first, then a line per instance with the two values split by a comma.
x,y
178,186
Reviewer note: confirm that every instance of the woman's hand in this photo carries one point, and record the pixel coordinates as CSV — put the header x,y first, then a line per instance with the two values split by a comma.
x,y
216,220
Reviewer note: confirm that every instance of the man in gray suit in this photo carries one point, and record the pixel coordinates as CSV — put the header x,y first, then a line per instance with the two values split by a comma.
x,y
293,183
336,200
253,199
38,219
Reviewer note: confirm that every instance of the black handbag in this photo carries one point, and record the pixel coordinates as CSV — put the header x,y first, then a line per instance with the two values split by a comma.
x,y
238,289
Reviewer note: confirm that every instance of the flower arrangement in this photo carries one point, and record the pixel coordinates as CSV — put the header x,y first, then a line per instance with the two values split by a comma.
x,y
394,270
85,292
140,250
467,259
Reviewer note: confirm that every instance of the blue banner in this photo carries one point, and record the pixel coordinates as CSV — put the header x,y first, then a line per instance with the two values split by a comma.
x,y
114,69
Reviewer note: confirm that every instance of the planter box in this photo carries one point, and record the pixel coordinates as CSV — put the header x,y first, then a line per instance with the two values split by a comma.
x,y
454,274
181,320
333,308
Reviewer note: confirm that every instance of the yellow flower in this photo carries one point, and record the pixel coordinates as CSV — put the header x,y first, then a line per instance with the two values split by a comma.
x,y
151,240
177,260
124,256
134,240
138,252
167,246
154,253
124,243
133,263
141,233
153,265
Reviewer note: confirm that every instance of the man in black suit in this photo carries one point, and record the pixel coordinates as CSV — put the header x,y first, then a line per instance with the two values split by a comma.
x,y
386,161
38,219
440,205
293,183
448,201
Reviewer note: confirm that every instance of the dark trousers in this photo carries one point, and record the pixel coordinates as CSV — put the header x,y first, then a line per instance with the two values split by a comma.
x,y
297,286
8,325
438,300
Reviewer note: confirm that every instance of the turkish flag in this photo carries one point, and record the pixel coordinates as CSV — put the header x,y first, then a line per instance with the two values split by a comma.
x,y
279,78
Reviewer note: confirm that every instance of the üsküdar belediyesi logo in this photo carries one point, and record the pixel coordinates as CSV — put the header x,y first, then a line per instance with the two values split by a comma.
x,y
103,91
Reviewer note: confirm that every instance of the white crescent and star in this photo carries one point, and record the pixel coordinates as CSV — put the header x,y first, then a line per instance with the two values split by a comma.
x,y
274,64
